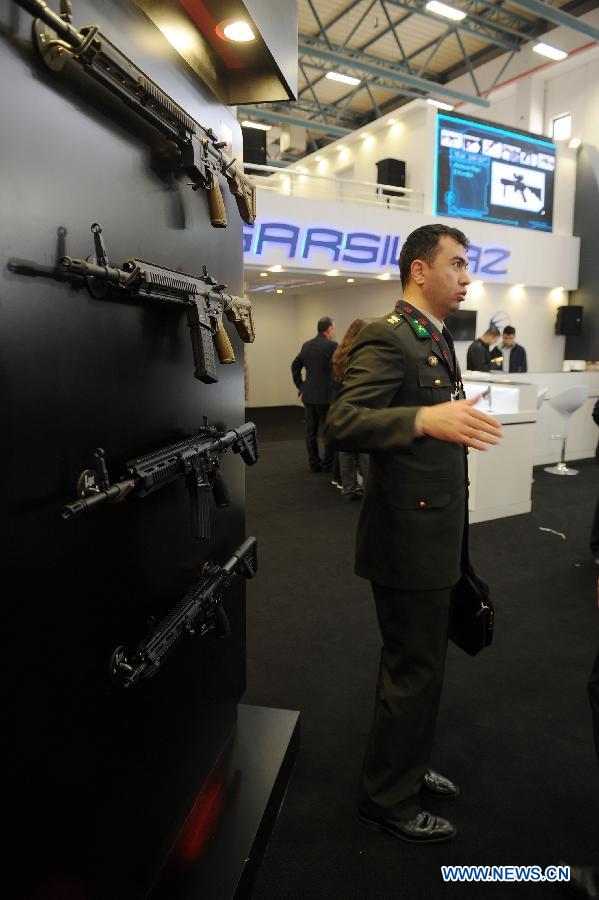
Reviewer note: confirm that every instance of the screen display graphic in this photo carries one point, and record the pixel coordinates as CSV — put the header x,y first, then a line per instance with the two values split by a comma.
x,y
493,174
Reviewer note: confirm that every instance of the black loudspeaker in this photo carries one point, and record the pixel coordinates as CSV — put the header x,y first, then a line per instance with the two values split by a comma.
x,y
254,146
569,320
391,171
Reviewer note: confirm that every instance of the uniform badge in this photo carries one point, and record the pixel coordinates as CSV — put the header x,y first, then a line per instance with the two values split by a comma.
x,y
433,361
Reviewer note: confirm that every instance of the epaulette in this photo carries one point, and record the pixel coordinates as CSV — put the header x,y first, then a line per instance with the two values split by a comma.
x,y
395,320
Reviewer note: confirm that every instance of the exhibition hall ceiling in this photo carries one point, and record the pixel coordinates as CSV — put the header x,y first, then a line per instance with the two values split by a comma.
x,y
398,50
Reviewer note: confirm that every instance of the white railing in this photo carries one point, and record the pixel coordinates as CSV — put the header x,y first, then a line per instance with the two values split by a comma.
x,y
296,182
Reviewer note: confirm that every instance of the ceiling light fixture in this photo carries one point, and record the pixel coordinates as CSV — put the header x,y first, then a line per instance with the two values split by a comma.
x,y
364,135
318,158
332,273
350,280
235,30
391,121
449,12
439,104
263,274
384,277
341,148
257,125
277,268
549,51
344,79
279,290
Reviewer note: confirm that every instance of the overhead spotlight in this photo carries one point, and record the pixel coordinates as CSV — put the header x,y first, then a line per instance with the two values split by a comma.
x,y
439,104
549,51
575,143
341,148
350,280
332,273
257,125
263,274
384,277
364,136
235,30
277,268
449,12
344,79
279,290
391,121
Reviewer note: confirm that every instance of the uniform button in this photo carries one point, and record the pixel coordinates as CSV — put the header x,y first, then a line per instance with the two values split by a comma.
x,y
421,503
437,381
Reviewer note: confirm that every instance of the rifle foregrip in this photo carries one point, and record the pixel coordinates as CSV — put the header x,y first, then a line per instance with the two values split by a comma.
x,y
216,205
222,344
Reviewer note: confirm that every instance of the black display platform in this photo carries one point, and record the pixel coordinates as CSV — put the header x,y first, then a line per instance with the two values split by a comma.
x,y
221,845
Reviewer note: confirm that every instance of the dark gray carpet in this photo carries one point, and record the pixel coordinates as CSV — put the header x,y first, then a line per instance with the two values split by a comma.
x,y
514,728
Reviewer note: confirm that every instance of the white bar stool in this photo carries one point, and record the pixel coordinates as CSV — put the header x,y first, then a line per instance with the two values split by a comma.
x,y
565,404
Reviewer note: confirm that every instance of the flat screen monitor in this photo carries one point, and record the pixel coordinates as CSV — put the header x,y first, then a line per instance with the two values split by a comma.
x,y
462,325
493,174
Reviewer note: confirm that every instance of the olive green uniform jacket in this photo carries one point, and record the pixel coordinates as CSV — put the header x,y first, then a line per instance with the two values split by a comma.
x,y
412,520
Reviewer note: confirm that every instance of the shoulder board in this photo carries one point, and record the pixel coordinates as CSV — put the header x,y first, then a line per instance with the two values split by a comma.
x,y
395,320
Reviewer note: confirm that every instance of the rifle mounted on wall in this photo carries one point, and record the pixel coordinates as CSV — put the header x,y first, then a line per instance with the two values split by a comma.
x,y
201,156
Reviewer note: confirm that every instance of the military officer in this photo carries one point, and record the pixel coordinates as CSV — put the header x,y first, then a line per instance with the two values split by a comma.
x,y
402,401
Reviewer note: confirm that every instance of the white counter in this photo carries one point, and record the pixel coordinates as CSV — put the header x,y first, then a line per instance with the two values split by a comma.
x,y
501,477
583,433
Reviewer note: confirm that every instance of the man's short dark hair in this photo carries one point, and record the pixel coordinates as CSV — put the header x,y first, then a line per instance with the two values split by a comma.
x,y
509,329
324,324
423,243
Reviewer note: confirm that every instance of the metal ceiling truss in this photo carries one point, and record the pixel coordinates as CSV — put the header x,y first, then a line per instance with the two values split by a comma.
x,y
498,29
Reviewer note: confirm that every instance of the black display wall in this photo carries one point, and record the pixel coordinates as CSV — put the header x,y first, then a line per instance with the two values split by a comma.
x,y
586,344
102,777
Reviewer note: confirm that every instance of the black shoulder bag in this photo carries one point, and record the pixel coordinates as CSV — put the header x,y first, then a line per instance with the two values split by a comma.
x,y
471,612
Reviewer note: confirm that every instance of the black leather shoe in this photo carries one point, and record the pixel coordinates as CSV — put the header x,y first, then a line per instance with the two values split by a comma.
x,y
424,828
439,785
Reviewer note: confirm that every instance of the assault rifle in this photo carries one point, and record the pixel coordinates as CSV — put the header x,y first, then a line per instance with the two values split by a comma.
x,y
197,459
520,186
200,611
201,295
201,155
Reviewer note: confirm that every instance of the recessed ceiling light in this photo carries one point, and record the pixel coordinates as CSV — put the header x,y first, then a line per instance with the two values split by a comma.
x,y
391,121
318,158
449,12
341,148
384,277
344,79
364,135
257,125
277,268
279,290
439,104
332,273
549,51
235,30
350,280
263,274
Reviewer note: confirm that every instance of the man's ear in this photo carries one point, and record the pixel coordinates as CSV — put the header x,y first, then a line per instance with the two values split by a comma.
x,y
417,271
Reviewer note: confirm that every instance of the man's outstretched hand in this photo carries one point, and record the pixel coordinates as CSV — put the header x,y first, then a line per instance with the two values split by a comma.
x,y
459,423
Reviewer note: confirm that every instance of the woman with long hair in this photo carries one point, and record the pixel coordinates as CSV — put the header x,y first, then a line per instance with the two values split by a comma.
x,y
350,464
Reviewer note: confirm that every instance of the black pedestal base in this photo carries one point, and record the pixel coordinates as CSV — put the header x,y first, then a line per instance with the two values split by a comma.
x,y
221,845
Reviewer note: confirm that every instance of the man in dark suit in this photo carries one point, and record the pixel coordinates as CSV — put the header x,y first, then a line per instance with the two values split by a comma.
x,y
509,356
315,357
402,402
479,357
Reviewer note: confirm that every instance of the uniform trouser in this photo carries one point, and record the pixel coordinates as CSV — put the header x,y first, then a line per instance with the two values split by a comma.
x,y
413,627
316,414
594,698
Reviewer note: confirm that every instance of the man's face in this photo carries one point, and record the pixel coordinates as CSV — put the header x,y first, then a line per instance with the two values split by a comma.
x,y
509,340
445,281
331,331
